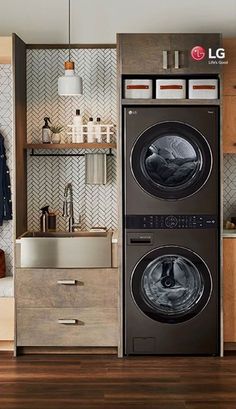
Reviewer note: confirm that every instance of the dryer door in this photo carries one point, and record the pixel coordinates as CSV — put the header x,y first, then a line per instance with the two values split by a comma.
x,y
171,284
171,160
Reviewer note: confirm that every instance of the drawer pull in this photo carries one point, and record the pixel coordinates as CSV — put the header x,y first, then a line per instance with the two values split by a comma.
x,y
165,59
176,60
67,282
67,322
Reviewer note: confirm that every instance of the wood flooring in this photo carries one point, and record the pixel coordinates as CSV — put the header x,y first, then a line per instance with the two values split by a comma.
x,y
64,382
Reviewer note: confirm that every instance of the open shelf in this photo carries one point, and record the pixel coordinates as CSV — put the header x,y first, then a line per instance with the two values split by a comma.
x,y
143,101
51,146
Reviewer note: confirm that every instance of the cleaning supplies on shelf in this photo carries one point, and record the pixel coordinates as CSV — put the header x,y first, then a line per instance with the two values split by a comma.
x,y
44,219
46,131
92,132
77,132
98,133
48,220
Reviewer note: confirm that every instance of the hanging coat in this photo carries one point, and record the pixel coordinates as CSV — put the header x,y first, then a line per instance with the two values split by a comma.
x,y
5,186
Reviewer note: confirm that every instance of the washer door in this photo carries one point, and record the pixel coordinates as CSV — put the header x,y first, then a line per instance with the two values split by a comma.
x,y
171,284
171,160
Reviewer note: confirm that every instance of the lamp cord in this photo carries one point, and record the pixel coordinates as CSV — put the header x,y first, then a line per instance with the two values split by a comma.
x,y
69,29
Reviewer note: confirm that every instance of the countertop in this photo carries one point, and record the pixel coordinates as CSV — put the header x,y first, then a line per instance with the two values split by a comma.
x,y
229,233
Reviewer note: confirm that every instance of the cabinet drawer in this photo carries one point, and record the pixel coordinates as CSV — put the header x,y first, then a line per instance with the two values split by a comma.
x,y
46,288
67,327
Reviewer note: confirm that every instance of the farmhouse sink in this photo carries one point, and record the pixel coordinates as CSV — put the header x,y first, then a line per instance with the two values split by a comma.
x,y
82,249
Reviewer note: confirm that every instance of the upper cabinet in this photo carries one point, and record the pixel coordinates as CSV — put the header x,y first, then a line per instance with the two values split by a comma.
x,y
142,54
229,97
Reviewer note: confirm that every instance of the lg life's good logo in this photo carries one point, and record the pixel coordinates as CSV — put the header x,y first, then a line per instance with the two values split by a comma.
x,y
199,53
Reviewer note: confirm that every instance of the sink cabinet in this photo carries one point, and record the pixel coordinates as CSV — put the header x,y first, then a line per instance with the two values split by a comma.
x,y
66,307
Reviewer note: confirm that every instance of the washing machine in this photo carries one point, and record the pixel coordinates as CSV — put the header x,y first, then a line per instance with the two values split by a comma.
x,y
171,160
171,285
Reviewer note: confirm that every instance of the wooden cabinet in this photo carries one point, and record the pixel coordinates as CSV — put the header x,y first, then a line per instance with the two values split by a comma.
x,y
165,53
144,53
181,46
229,277
67,307
229,97
229,124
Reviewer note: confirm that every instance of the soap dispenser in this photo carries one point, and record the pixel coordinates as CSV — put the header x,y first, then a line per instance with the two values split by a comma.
x,y
46,131
44,219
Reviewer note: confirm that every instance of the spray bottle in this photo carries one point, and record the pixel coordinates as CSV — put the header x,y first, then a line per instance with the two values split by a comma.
x,y
46,131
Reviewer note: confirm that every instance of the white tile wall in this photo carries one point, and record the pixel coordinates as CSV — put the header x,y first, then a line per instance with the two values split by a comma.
x,y
229,186
47,177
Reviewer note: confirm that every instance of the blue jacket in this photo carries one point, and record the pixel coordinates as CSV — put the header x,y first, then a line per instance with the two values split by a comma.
x,y
5,186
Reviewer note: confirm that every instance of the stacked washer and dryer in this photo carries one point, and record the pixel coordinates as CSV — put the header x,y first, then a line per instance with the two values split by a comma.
x,y
171,194
171,230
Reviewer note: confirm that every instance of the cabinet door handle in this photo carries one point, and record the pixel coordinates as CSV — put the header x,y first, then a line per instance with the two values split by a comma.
x,y
66,282
176,60
67,322
165,59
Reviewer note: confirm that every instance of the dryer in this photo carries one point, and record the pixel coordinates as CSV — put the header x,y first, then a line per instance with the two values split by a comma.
x,y
171,287
171,160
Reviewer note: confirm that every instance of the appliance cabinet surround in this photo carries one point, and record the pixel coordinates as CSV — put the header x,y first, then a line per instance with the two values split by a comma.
x,y
154,54
229,97
66,307
229,263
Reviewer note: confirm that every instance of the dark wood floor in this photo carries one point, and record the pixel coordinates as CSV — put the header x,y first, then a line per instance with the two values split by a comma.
x,y
64,382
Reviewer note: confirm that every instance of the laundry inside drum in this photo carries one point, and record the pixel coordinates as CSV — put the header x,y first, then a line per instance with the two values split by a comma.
x,y
172,161
171,285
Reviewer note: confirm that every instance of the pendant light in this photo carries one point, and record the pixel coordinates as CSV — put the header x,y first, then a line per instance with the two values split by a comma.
x,y
70,84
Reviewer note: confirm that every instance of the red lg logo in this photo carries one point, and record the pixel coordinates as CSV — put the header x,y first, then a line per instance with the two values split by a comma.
x,y
198,53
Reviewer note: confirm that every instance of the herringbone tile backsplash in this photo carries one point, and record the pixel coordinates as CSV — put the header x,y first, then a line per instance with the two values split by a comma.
x,y
47,177
229,186
6,231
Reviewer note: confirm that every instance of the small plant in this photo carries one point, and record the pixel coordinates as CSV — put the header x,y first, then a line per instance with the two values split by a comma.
x,y
56,128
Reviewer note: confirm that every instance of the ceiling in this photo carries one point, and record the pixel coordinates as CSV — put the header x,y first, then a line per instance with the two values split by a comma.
x,y
98,21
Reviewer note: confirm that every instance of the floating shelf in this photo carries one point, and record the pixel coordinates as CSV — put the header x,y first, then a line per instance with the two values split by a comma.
x,y
170,101
67,146
54,146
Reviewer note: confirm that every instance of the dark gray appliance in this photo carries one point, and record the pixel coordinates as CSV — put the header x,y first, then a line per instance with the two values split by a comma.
x,y
171,224
171,285
171,157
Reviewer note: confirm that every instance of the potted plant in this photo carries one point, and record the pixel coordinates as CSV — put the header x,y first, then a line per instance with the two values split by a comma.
x,y
56,131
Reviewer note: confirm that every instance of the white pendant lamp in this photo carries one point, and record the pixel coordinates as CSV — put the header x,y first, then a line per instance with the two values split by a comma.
x,y
70,84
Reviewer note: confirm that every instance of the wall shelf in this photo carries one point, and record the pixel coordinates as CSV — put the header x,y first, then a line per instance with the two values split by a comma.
x,y
67,146
170,101
63,146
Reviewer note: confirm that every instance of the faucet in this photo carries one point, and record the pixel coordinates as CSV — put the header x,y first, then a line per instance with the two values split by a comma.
x,y
68,208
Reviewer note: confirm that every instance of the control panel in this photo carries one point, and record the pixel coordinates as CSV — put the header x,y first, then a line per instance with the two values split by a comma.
x,y
171,221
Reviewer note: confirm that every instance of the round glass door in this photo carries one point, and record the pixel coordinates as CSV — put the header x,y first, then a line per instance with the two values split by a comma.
x,y
171,284
171,160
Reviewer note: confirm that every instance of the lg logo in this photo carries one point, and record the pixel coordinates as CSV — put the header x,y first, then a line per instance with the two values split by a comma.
x,y
198,53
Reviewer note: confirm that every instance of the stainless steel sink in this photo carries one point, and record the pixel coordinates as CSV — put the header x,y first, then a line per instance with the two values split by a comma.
x,y
82,249
81,233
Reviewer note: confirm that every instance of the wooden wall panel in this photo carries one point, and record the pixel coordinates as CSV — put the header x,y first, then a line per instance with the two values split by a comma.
x,y
229,263
5,50
19,77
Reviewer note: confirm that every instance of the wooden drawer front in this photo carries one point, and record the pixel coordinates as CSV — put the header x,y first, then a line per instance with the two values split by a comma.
x,y
66,288
41,327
